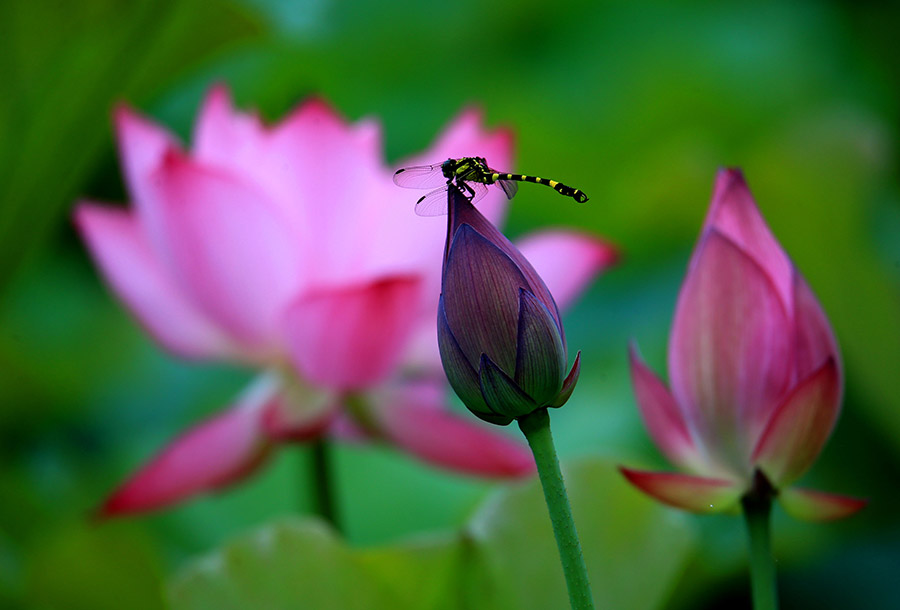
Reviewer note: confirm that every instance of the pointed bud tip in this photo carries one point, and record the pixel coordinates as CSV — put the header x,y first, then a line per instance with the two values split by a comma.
x,y
730,175
122,112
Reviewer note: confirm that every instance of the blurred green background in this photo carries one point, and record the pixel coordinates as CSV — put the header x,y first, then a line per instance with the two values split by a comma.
x,y
637,103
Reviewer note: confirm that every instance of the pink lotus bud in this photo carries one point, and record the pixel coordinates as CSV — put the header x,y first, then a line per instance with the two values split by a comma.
x,y
755,378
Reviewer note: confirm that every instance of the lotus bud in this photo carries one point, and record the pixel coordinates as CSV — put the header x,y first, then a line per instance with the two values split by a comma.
x,y
501,339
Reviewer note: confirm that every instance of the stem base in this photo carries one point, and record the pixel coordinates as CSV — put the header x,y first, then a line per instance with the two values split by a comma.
x,y
757,505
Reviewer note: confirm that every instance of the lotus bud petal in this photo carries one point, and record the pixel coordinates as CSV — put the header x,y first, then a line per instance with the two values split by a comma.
x,y
499,331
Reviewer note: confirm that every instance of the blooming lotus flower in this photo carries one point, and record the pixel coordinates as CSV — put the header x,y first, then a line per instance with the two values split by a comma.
x,y
499,331
754,372
288,249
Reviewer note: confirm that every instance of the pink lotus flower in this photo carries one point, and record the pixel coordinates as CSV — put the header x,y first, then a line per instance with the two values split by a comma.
x,y
289,249
754,372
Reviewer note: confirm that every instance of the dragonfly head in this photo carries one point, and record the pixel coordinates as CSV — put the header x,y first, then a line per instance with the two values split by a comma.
x,y
448,168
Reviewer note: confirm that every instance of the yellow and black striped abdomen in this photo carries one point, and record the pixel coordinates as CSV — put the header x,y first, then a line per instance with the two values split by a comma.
x,y
559,187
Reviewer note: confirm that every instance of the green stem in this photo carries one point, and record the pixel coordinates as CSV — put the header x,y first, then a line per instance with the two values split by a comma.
x,y
323,493
536,428
757,510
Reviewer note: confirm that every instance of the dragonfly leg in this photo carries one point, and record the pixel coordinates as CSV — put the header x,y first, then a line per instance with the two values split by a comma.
x,y
468,189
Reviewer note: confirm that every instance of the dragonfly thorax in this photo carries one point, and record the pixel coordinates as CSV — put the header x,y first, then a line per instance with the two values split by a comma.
x,y
472,169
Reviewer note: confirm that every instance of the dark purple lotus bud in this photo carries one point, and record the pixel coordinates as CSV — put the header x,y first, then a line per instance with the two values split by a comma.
x,y
499,331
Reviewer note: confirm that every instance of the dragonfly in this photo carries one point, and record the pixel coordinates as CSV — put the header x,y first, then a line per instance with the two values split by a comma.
x,y
472,176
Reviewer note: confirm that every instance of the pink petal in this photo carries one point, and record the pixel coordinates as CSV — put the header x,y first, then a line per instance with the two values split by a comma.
x,y
567,261
238,143
422,353
800,426
229,248
225,138
214,454
815,340
344,235
663,417
316,118
121,251
734,214
414,418
394,239
345,224
697,494
350,338
142,146
811,505
730,350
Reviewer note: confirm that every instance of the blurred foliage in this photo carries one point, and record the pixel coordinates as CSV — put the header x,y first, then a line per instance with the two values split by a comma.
x,y
622,534
635,102
497,562
286,565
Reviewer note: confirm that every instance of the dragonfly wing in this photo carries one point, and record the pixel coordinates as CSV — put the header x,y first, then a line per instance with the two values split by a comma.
x,y
509,187
420,176
433,204
480,189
